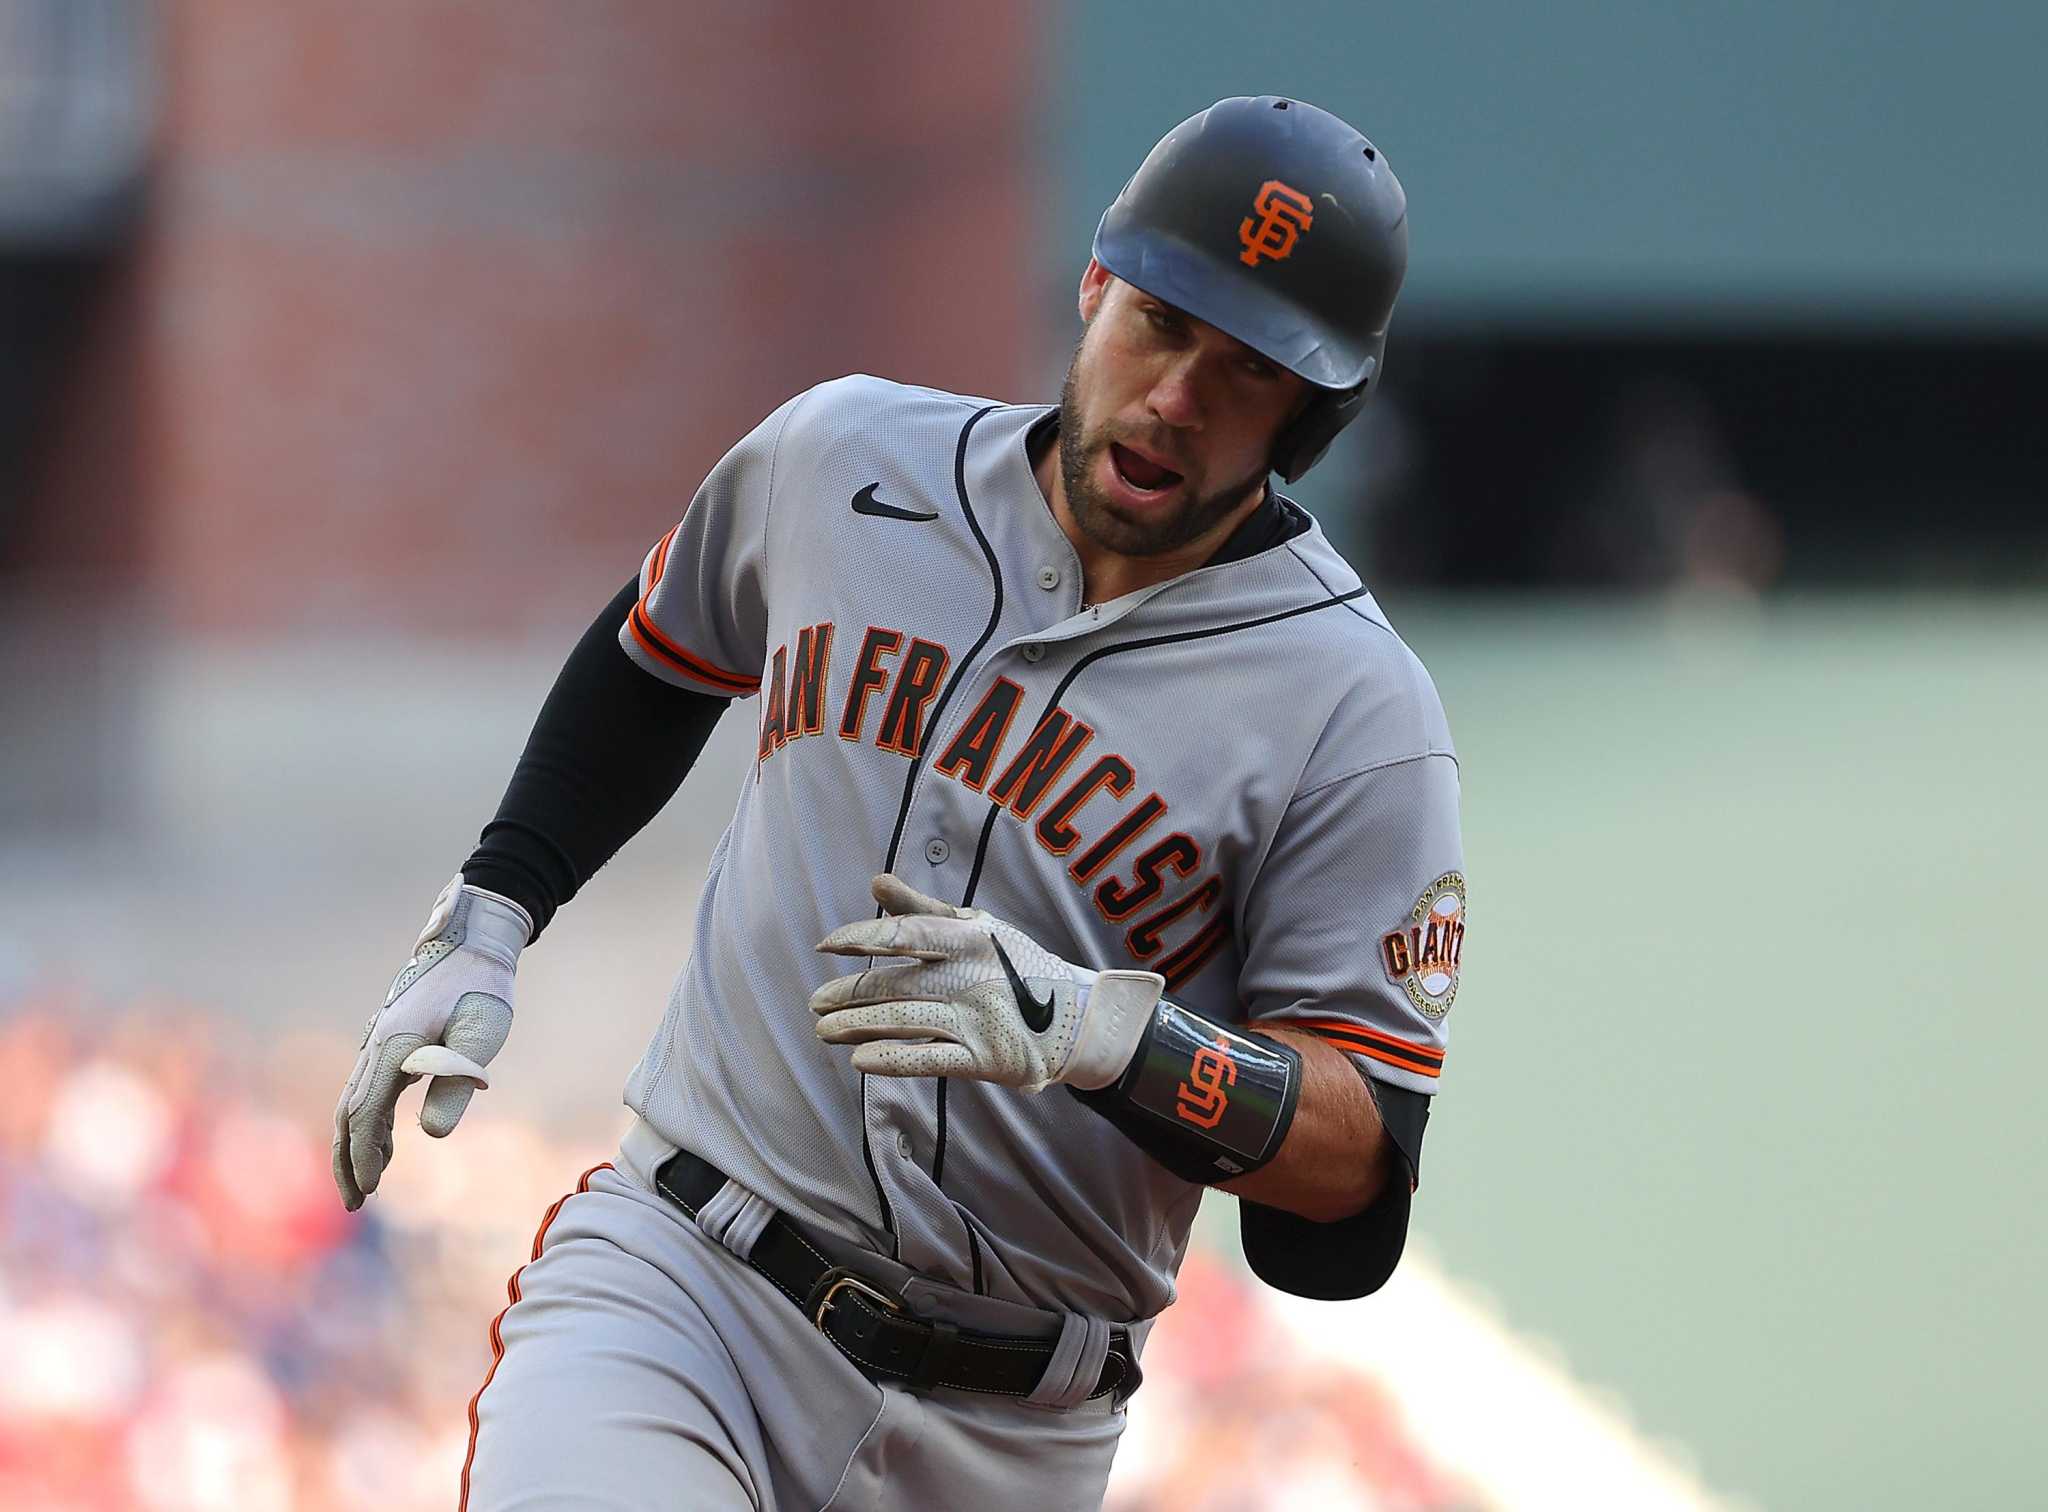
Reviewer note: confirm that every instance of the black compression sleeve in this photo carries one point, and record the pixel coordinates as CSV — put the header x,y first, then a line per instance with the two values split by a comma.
x,y
610,748
1354,1256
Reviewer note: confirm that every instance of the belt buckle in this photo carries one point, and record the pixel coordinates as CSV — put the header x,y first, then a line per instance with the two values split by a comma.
x,y
837,1280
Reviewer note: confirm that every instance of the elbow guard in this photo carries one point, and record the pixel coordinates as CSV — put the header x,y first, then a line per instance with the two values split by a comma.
x,y
1209,1103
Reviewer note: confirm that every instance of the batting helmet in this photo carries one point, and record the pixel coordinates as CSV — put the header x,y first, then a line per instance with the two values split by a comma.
x,y
1278,224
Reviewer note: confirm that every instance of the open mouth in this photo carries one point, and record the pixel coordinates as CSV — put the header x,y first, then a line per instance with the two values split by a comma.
x,y
1141,473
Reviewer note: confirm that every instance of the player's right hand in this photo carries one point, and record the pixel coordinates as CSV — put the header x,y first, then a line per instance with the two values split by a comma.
x,y
446,1015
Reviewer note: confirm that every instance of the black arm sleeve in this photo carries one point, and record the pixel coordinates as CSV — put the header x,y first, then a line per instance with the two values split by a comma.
x,y
1354,1256
610,748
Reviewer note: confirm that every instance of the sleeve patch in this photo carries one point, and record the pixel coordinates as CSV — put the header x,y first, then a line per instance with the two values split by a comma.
x,y
1422,956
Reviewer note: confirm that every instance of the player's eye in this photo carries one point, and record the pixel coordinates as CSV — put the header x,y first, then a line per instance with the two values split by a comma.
x,y
1260,368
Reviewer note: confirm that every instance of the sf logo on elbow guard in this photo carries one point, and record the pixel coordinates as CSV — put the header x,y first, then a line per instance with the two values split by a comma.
x,y
1201,1099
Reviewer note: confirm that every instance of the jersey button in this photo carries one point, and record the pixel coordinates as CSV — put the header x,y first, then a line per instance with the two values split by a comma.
x,y
903,1143
1034,652
1048,578
936,851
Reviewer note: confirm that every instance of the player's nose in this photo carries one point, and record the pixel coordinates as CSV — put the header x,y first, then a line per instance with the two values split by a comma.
x,y
1175,396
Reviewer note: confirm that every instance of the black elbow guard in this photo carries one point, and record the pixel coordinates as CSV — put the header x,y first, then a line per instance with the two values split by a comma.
x,y
1208,1102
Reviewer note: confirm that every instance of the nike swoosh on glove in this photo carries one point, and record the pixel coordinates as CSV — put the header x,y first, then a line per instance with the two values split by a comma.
x,y
447,1013
977,998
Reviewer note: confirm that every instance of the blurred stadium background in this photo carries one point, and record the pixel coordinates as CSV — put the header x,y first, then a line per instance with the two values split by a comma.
x,y
351,354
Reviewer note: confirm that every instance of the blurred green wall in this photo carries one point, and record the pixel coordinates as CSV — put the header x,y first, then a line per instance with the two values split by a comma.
x,y
1741,1106
1793,160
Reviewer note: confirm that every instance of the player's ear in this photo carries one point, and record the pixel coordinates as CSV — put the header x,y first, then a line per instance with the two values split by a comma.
x,y
1094,284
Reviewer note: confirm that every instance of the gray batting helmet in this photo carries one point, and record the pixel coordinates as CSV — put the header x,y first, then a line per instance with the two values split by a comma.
x,y
1278,224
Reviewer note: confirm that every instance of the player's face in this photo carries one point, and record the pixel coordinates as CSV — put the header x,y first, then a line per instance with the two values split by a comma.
x,y
1166,424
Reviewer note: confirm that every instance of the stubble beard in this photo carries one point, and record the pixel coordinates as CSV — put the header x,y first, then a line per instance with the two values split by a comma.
x,y
1103,521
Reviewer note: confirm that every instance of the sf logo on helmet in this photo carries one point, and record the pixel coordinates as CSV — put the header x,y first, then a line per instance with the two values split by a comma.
x,y
1283,214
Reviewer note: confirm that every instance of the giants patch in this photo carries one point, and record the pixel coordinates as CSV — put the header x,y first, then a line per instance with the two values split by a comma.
x,y
1423,956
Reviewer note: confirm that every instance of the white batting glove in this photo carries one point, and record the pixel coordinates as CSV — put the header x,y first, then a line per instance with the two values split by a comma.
x,y
979,998
446,1015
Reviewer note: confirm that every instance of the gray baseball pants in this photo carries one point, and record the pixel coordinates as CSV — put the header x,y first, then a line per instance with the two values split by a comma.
x,y
641,1364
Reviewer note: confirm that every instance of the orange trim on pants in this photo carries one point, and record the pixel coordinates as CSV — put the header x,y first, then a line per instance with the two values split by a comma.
x,y
497,1323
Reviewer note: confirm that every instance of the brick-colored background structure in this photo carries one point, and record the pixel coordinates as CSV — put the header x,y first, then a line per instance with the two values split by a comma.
x,y
442,308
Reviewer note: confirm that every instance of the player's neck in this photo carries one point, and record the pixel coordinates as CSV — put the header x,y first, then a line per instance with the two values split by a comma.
x,y
1107,574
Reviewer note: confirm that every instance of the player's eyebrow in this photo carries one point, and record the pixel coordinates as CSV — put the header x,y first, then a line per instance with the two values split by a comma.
x,y
1239,351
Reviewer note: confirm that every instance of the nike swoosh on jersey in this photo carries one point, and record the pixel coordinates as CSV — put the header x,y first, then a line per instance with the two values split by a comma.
x,y
1037,1015
866,503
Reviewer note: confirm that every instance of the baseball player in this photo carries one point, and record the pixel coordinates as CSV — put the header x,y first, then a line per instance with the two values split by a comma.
x,y
1101,846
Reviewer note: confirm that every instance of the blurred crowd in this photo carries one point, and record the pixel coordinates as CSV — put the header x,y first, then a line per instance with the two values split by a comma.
x,y
188,1319
1231,1420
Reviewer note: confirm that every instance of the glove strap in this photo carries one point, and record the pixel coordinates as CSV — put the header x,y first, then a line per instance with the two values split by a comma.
x,y
500,920
1206,1101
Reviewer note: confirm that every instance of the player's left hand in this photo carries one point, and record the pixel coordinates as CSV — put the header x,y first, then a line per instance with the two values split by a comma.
x,y
978,998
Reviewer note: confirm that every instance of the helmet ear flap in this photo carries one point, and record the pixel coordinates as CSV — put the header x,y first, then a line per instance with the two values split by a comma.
x,y
1309,434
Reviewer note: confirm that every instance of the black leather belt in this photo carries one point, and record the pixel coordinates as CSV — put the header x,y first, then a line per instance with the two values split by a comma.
x,y
874,1328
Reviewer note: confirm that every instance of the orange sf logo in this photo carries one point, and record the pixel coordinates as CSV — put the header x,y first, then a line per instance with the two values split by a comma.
x,y
1203,1103
1283,215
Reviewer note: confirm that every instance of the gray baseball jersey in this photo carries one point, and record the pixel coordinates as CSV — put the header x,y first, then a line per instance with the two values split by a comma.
x,y
1241,779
